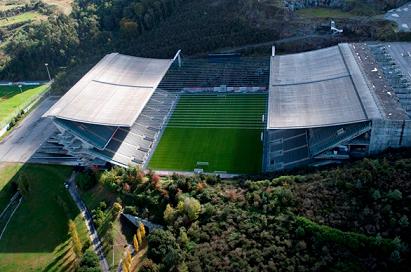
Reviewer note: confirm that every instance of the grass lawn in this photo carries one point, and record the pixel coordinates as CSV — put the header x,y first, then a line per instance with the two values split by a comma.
x,y
222,130
324,13
7,172
37,236
122,232
20,18
11,99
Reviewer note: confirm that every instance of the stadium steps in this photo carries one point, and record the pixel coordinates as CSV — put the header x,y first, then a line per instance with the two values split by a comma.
x,y
322,139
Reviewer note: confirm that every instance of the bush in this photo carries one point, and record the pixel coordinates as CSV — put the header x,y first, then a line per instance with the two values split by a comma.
x,y
86,181
130,210
89,262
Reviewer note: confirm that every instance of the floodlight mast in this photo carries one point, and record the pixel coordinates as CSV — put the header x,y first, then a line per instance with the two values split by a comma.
x,y
178,57
21,91
48,72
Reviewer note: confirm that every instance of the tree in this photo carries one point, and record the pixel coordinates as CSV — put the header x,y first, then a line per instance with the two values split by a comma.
x,y
149,266
135,242
76,243
142,230
89,262
191,207
160,243
128,256
169,214
139,239
24,185
125,267
116,209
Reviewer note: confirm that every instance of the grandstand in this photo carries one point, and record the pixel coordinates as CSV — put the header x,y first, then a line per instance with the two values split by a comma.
x,y
115,113
226,113
338,107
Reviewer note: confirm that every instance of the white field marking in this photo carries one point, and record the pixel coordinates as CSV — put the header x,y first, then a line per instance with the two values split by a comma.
x,y
8,221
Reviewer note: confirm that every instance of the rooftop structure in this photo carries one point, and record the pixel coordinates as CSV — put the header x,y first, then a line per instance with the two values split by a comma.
x,y
113,93
336,103
324,106
328,90
114,114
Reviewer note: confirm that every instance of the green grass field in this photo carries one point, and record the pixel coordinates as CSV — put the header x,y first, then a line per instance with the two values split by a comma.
x,y
36,238
21,18
11,99
7,172
222,130
324,13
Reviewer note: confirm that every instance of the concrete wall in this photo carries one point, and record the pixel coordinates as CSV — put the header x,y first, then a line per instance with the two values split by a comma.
x,y
389,133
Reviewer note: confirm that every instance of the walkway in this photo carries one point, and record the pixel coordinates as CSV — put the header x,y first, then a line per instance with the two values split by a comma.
x,y
98,248
26,138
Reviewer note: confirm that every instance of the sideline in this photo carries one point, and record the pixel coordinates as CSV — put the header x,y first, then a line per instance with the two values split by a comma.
x,y
11,216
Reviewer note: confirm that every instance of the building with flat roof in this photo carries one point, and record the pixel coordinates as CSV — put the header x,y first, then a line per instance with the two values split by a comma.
x,y
324,106
114,113
335,103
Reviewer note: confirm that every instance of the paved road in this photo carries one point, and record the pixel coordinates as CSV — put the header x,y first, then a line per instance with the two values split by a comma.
x,y
25,139
98,247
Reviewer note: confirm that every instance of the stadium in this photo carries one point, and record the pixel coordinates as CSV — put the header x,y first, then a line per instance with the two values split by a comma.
x,y
232,114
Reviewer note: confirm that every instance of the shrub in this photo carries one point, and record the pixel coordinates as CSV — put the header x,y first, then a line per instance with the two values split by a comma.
x,y
149,266
89,262
86,181
116,209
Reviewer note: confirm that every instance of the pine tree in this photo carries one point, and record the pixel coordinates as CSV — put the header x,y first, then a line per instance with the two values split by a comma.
x,y
128,257
75,239
142,231
140,241
135,242
125,267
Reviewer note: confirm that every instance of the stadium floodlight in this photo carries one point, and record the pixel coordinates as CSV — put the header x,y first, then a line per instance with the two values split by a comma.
x,y
21,91
48,72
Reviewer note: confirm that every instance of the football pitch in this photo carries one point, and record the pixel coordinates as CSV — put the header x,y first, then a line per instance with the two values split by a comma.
x,y
213,132
12,99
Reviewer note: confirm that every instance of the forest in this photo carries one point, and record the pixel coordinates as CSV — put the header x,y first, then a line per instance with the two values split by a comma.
x,y
158,28
353,217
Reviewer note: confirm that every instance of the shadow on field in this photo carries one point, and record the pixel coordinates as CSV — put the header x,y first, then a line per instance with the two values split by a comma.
x,y
40,224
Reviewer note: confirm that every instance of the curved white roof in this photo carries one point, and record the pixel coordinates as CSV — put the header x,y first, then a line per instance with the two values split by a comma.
x,y
113,92
319,88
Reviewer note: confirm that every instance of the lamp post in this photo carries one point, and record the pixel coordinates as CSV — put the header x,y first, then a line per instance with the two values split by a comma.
x,y
21,91
48,72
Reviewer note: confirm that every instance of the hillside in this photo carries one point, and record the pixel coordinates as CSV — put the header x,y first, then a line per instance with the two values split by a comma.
x,y
160,28
353,217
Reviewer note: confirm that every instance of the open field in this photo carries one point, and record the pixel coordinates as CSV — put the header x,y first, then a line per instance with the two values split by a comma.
x,y
7,172
11,99
20,18
37,236
324,13
222,130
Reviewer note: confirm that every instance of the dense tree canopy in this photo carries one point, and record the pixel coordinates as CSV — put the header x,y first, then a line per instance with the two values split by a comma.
x,y
351,218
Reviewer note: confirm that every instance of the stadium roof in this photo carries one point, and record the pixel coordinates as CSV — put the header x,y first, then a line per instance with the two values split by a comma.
x,y
319,88
112,93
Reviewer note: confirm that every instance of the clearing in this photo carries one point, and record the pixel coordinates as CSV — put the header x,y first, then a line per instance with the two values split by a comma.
x,y
21,18
221,130
324,13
